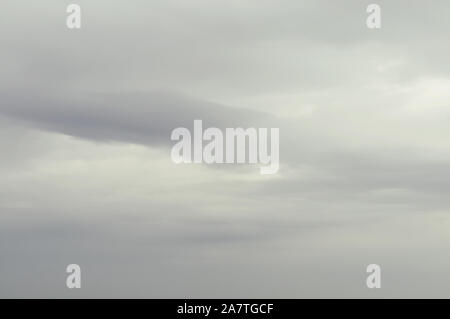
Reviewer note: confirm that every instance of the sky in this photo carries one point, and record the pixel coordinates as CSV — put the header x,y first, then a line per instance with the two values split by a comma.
x,y
87,178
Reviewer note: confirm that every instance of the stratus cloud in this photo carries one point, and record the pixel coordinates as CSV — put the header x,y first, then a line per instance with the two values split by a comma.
x,y
363,131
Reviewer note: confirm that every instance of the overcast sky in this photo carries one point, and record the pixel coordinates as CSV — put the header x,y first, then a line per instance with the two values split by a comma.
x,y
87,178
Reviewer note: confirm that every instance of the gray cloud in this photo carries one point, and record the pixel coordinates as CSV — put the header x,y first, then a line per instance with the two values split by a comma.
x,y
86,117
143,118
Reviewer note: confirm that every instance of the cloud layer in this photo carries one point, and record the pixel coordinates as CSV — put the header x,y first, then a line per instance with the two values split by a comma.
x,y
86,116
